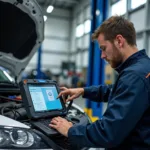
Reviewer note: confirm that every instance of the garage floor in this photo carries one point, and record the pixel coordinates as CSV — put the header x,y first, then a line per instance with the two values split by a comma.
x,y
81,102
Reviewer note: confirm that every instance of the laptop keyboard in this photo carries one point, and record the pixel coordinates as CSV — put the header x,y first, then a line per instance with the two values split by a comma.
x,y
46,122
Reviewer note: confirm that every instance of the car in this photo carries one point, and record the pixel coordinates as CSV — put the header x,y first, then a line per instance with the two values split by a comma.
x,y
21,34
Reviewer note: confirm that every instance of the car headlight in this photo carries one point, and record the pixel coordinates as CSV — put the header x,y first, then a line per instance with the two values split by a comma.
x,y
18,138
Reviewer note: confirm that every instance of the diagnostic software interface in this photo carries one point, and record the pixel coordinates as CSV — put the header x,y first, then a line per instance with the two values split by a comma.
x,y
44,98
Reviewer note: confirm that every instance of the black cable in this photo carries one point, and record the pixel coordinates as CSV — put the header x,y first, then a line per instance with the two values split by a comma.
x,y
16,113
11,108
8,109
2,110
69,106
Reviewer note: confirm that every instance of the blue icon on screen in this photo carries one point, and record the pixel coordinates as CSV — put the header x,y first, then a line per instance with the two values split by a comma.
x,y
49,93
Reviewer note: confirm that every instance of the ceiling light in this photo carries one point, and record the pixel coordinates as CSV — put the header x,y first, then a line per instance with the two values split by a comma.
x,y
97,12
45,18
50,9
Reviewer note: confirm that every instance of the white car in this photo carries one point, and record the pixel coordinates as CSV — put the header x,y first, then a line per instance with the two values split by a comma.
x,y
21,34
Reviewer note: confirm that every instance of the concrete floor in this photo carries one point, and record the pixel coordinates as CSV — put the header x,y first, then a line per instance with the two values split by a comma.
x,y
81,102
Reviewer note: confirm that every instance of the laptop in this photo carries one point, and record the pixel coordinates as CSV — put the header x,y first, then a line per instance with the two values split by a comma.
x,y
41,103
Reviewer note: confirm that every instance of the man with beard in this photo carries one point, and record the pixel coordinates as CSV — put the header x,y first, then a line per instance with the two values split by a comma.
x,y
125,125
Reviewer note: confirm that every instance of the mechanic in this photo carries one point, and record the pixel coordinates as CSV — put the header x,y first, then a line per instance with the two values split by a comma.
x,y
126,122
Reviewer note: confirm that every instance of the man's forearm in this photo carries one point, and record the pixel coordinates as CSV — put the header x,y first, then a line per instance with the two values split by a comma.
x,y
97,93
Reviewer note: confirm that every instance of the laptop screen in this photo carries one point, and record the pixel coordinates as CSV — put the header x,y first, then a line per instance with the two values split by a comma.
x,y
44,97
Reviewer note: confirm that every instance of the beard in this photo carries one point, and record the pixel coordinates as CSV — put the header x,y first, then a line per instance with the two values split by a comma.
x,y
116,59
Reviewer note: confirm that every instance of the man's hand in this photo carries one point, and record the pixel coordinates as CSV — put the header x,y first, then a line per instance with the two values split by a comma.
x,y
72,93
61,125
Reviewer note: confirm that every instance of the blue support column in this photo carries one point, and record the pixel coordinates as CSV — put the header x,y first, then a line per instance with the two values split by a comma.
x,y
96,64
39,63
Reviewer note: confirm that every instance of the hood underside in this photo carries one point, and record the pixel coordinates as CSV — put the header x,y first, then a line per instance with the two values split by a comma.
x,y
21,33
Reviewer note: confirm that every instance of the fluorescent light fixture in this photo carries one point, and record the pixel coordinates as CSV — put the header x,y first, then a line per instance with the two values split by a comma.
x,y
50,9
45,18
97,12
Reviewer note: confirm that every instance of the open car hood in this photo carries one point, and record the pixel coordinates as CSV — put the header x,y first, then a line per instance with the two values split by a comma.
x,y
21,33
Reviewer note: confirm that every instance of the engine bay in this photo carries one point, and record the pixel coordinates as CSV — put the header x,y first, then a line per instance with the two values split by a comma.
x,y
12,107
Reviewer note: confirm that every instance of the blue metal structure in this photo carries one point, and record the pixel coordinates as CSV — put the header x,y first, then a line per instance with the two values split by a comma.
x,y
39,63
96,64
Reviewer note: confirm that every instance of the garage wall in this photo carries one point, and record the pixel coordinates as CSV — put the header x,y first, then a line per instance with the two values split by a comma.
x,y
56,45
61,43
139,15
141,26
134,17
80,45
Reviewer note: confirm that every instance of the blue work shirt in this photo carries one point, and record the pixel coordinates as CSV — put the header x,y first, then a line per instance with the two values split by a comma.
x,y
125,124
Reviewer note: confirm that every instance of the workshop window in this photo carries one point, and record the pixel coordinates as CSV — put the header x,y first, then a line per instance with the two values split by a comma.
x,y
79,30
137,3
119,8
87,26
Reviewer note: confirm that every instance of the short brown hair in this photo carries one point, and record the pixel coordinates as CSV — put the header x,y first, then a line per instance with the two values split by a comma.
x,y
116,25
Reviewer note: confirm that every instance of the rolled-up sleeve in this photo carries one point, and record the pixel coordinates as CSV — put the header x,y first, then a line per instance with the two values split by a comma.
x,y
123,112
